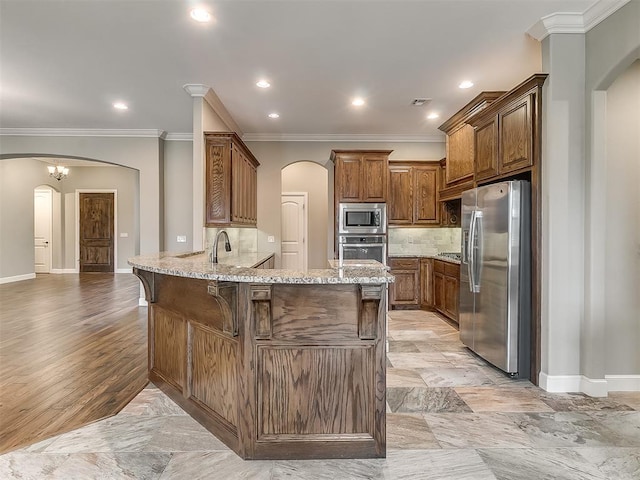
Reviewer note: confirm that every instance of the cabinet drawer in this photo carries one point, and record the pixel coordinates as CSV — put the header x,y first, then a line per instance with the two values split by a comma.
x,y
404,263
451,270
438,266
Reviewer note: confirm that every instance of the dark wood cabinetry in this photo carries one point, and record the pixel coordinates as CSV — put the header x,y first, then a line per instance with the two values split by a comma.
x,y
405,291
446,288
507,132
426,283
460,148
231,181
413,193
360,175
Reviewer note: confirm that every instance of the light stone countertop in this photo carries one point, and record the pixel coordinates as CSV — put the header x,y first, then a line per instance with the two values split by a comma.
x,y
238,268
442,257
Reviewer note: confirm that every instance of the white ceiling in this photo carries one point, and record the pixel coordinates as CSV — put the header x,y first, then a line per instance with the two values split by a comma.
x,y
64,62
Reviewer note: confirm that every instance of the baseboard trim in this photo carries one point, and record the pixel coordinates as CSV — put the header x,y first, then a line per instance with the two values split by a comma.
x,y
574,383
623,383
58,271
17,278
124,270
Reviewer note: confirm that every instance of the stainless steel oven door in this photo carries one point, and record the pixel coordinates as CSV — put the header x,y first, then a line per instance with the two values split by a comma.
x,y
363,247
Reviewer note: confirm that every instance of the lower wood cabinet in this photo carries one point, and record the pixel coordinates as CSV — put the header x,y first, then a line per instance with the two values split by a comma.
x,y
446,288
405,291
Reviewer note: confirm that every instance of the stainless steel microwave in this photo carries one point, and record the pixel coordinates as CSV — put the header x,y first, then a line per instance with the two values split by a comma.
x,y
362,218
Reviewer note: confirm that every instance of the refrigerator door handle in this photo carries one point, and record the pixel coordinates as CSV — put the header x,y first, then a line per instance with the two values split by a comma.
x,y
478,247
470,251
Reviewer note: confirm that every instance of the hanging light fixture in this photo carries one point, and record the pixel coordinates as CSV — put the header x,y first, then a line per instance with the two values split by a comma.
x,y
58,171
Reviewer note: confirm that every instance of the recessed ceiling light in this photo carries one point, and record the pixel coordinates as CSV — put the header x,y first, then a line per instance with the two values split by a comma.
x,y
120,106
433,116
263,84
200,15
358,102
274,115
466,84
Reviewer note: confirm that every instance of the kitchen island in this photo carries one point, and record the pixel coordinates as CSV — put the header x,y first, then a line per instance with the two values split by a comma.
x,y
278,364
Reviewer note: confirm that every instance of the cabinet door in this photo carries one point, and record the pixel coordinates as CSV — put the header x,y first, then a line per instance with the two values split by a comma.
x,y
237,170
404,291
218,182
460,158
438,292
349,172
425,195
374,181
486,152
515,136
400,204
451,297
426,282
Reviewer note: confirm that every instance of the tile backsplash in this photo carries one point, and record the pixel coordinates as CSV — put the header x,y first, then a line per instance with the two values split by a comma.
x,y
423,241
242,240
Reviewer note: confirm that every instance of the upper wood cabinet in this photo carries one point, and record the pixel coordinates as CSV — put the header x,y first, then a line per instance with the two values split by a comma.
x,y
460,168
360,175
231,181
413,193
507,132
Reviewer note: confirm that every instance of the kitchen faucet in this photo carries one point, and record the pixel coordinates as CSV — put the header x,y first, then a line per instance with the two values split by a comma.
x,y
227,245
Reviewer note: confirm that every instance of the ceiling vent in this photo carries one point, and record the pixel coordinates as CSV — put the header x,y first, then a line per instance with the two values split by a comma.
x,y
419,102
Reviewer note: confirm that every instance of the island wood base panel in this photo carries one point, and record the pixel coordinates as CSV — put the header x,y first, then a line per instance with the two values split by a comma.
x,y
275,371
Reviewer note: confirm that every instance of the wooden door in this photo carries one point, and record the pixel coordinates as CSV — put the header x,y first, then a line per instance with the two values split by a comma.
x,y
349,177
425,195
374,181
42,230
97,246
400,205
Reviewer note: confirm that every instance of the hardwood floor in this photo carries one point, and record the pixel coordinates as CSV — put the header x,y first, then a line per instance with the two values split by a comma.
x,y
73,349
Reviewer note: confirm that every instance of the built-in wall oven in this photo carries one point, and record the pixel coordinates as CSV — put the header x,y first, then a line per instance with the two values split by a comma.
x,y
363,247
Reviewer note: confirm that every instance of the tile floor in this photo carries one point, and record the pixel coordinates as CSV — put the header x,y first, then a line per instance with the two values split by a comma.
x,y
450,416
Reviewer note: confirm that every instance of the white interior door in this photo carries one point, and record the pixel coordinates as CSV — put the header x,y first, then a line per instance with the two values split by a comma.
x,y
294,231
42,230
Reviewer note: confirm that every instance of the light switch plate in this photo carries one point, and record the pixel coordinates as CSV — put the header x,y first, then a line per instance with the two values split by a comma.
x,y
271,239
181,239
124,234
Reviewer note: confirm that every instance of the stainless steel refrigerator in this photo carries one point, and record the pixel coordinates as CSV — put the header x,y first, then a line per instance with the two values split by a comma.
x,y
495,275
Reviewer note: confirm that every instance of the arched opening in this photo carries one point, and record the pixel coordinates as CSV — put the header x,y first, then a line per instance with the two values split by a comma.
x,y
312,179
22,175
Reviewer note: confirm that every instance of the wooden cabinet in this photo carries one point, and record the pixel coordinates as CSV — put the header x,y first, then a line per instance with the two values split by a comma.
x,y
405,291
360,175
426,283
507,132
460,147
413,193
446,288
268,263
231,181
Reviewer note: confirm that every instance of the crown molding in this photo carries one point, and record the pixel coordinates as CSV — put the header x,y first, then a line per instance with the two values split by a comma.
x,y
81,132
179,137
563,22
367,138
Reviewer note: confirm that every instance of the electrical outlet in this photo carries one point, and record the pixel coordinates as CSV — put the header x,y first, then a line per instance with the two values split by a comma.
x,y
271,239
181,239
124,234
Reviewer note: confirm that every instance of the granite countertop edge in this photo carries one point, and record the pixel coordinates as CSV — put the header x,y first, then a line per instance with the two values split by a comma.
x,y
435,257
239,268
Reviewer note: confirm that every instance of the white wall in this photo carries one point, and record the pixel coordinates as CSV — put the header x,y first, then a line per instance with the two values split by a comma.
x,y
273,156
622,225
